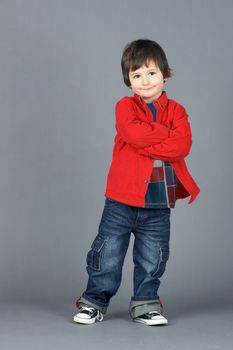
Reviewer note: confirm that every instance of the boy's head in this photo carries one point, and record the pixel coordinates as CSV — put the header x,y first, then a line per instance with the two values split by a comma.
x,y
145,68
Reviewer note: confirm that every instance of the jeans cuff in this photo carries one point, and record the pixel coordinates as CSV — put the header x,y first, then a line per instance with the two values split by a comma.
x,y
138,308
83,301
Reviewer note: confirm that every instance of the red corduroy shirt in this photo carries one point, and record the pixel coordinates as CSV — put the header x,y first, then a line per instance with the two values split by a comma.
x,y
139,140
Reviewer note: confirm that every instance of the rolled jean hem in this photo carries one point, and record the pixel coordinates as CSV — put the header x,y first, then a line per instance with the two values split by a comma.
x,y
146,298
138,308
90,302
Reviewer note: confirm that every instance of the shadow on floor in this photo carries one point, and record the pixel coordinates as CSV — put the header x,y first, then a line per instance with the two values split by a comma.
x,y
172,312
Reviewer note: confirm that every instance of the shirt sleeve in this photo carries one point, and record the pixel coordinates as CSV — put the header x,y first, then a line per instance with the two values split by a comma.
x,y
134,131
177,146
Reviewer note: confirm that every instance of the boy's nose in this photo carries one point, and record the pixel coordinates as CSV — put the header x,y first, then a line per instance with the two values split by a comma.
x,y
145,80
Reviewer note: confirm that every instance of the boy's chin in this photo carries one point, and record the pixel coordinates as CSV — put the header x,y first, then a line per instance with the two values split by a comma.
x,y
148,97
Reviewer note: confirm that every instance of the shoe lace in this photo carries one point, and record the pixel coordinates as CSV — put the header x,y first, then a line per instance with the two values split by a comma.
x,y
99,315
90,308
156,313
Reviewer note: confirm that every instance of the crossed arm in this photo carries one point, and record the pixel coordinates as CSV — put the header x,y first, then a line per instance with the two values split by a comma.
x,y
154,139
134,131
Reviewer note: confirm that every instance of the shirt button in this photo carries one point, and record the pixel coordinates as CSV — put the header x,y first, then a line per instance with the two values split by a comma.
x,y
145,181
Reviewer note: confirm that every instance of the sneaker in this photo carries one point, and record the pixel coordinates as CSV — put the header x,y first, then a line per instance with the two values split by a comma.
x,y
88,315
151,318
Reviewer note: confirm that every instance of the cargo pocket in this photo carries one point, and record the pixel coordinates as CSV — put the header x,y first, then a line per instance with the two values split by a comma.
x,y
161,262
95,255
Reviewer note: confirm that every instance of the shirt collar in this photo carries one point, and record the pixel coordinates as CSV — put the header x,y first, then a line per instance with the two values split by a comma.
x,y
161,101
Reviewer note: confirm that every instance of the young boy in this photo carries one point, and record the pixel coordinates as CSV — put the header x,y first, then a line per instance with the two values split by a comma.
x,y
147,175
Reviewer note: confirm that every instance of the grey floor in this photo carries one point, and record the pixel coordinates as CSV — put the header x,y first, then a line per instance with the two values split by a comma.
x,y
30,326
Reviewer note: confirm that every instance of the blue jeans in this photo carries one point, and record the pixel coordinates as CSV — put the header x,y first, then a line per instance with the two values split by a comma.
x,y
151,229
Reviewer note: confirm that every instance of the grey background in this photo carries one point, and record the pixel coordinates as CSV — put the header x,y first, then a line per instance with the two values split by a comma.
x,y
60,77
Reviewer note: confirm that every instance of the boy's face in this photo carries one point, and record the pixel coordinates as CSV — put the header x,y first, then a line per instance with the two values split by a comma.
x,y
147,82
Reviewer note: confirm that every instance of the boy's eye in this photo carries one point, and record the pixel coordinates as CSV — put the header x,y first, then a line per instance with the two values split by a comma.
x,y
138,75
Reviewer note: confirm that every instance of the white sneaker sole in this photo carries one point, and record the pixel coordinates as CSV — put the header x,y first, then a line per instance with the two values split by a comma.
x,y
151,322
84,320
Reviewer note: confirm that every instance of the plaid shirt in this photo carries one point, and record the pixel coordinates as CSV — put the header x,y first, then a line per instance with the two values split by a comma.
x,y
161,191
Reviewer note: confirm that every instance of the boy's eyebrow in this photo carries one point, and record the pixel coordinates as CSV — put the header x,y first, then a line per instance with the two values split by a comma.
x,y
134,72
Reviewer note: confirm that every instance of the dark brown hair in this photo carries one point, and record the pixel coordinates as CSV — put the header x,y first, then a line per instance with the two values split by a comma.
x,y
140,52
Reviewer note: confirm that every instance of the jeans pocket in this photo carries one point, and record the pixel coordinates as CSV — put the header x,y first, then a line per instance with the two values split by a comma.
x,y
95,255
161,262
